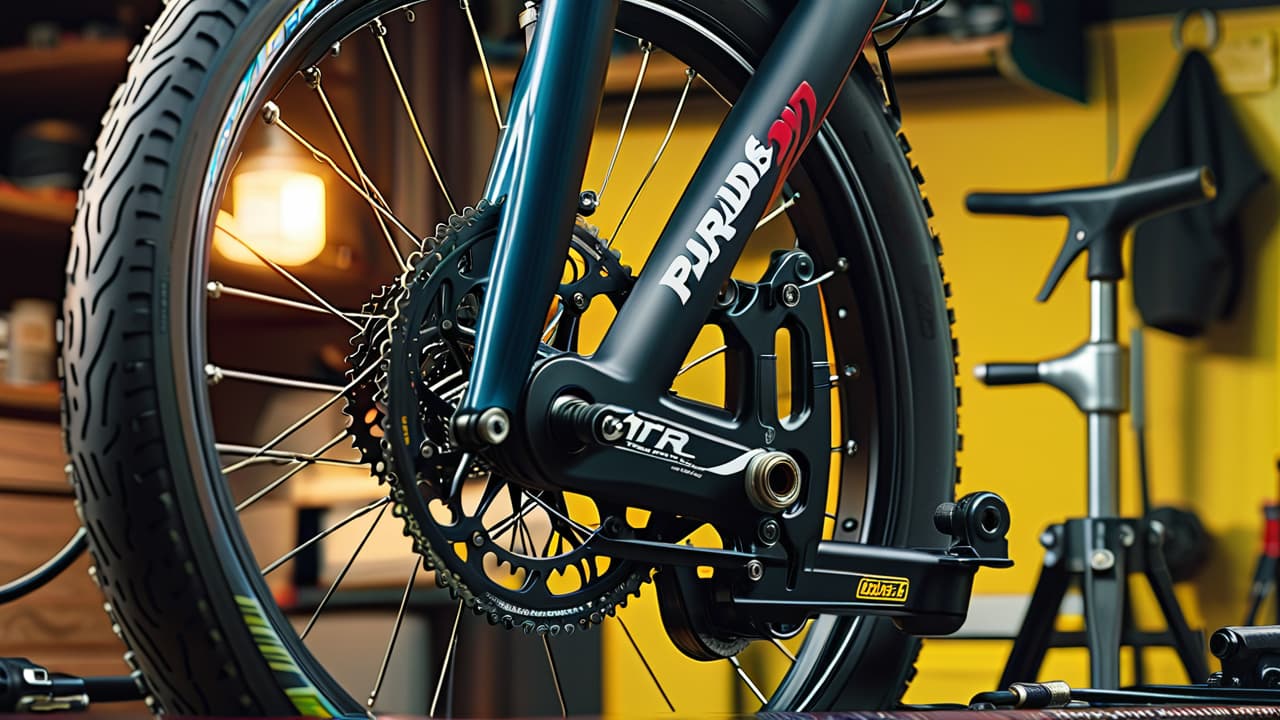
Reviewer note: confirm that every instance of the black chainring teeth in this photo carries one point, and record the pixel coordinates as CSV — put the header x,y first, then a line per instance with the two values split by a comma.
x,y
432,356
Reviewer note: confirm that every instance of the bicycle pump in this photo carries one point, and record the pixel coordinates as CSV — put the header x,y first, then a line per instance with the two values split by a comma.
x,y
1099,551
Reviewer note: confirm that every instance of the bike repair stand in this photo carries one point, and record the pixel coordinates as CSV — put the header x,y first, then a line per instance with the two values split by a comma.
x,y
1101,550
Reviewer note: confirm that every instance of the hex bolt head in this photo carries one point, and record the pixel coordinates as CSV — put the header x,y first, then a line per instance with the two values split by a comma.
x,y
1127,535
755,570
1102,560
769,531
579,301
789,295
611,428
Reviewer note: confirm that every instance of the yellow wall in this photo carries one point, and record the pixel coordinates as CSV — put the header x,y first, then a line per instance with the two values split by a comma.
x,y
1211,402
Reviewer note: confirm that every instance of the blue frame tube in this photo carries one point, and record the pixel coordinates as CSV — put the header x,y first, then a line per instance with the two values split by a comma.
x,y
538,169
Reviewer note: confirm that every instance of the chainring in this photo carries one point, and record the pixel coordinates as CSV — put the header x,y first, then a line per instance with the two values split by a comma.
x,y
533,567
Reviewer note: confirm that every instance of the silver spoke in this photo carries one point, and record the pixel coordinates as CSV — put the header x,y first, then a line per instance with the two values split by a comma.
x,y
293,279
281,456
360,512
698,361
675,117
555,676
646,48
303,420
314,81
380,32
778,210
819,280
395,632
271,116
778,644
216,290
737,666
215,374
484,65
343,574
448,660
645,662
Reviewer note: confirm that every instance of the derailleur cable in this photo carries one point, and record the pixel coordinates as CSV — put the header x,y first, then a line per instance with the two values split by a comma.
x,y
902,22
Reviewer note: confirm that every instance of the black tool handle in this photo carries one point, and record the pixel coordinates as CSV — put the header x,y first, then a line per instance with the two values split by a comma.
x,y
1007,373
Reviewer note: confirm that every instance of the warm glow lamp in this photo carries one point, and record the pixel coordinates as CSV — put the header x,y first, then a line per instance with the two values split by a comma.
x,y
278,206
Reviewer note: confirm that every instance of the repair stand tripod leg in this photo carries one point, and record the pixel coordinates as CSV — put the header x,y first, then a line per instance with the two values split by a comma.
x,y
1037,629
1103,586
1185,641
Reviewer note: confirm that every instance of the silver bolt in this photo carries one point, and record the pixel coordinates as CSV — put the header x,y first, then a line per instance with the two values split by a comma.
x,y
842,264
1080,236
270,113
427,450
851,371
842,313
1048,539
214,289
1126,536
790,295
755,570
477,538
579,301
851,447
1102,560
611,428
494,425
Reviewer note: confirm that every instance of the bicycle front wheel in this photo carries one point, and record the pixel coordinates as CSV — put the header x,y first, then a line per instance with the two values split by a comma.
x,y
182,335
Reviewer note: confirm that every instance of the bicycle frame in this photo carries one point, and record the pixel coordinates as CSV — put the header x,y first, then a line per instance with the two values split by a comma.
x,y
540,163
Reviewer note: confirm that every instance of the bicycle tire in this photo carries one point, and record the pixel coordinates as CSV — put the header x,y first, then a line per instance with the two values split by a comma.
x,y
174,572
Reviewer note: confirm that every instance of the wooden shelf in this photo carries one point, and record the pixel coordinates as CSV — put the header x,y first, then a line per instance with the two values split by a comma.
x,y
42,399
948,56
923,56
77,74
35,216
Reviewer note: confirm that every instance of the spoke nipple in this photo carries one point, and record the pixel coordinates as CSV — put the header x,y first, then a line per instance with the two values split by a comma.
x,y
851,447
851,371
335,49
645,45
849,525
213,374
690,73
270,113
755,570
842,313
214,289
377,28
312,76
842,264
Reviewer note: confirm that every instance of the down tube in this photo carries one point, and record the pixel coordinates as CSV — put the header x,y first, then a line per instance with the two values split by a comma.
x,y
538,168
758,144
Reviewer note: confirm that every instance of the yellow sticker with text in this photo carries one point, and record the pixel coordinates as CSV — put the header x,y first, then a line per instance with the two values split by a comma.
x,y
882,588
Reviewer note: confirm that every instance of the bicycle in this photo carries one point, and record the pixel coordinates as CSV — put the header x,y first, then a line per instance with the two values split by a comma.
x,y
543,500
